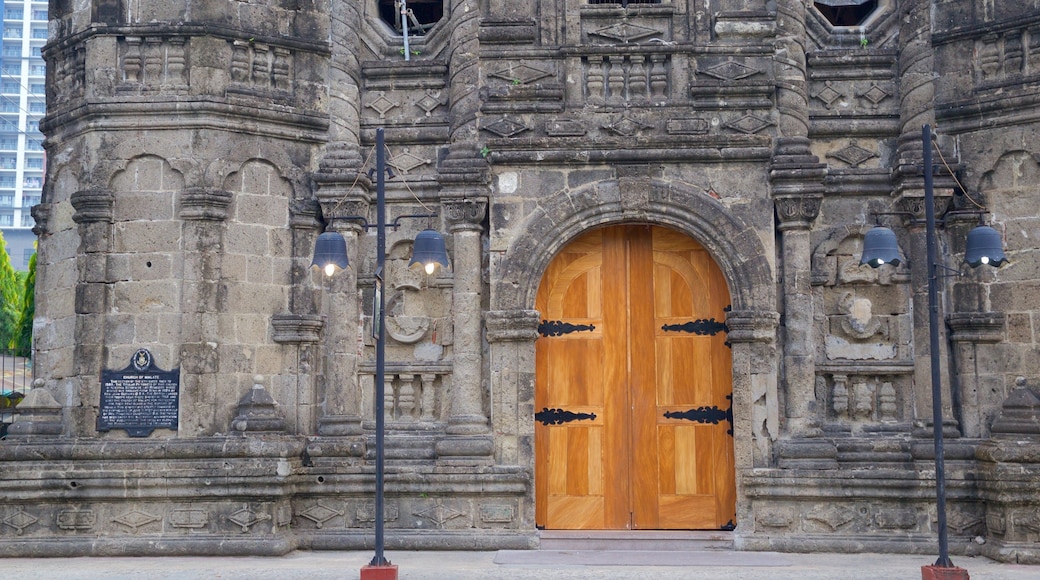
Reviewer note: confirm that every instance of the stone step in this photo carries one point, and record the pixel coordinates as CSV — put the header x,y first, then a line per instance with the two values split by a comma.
x,y
638,540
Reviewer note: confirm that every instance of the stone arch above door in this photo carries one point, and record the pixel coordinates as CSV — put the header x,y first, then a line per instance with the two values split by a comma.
x,y
731,241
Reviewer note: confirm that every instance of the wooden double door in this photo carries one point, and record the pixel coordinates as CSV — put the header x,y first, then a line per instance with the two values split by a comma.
x,y
633,415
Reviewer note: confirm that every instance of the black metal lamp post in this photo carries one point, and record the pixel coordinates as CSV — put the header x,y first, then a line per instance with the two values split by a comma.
x,y
330,254
984,246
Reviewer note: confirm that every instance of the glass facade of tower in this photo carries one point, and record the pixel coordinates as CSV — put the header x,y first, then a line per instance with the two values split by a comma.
x,y
22,105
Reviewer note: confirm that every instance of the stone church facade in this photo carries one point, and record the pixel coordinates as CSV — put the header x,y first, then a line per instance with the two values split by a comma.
x,y
197,150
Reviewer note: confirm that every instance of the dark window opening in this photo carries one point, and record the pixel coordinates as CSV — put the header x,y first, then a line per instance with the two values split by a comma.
x,y
421,14
624,3
846,12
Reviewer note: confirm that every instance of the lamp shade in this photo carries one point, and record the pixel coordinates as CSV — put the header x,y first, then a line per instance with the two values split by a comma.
x,y
880,247
984,246
429,251
330,252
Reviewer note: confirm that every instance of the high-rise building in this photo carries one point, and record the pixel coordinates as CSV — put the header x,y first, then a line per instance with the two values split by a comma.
x,y
22,104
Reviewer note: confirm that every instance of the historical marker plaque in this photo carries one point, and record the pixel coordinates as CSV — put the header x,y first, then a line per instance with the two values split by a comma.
x,y
140,398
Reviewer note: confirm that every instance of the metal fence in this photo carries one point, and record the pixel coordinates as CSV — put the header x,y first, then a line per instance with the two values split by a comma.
x,y
15,381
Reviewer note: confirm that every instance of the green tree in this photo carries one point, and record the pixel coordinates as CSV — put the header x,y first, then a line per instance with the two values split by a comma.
x,y
10,295
22,341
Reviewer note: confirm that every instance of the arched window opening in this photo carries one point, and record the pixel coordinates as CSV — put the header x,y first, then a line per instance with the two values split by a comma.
x,y
420,15
846,12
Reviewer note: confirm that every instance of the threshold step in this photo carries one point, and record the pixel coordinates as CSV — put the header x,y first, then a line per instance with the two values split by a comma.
x,y
637,540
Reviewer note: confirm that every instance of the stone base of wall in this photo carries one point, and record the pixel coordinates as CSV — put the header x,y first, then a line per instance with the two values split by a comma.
x,y
244,496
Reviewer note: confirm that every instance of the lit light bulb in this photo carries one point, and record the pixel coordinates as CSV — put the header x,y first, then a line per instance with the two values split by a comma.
x,y
985,260
330,269
430,268
880,261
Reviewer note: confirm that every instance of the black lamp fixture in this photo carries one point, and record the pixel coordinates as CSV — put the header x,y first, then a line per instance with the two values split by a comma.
x,y
330,254
984,247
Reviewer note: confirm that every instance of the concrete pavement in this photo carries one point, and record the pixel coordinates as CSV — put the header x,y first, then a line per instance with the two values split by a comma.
x,y
511,565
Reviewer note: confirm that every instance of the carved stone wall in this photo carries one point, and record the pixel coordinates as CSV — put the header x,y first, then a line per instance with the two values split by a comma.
x,y
194,158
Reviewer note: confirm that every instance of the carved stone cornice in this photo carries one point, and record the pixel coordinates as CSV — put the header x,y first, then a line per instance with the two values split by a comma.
x,y
199,203
752,325
511,325
463,169
465,214
797,212
41,214
340,212
984,327
914,205
304,214
92,205
297,328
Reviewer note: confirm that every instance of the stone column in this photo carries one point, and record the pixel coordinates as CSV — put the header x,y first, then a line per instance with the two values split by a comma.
x,y
971,332
468,433
94,217
795,214
916,108
464,85
202,212
511,335
342,151
796,180
340,404
752,334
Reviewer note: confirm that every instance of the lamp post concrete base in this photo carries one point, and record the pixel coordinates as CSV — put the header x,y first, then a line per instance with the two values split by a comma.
x,y
386,571
943,573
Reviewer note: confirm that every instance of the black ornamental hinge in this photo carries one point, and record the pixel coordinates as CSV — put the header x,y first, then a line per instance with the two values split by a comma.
x,y
559,328
706,415
549,416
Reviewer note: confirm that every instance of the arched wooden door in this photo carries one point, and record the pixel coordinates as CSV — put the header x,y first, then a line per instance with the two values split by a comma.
x,y
633,412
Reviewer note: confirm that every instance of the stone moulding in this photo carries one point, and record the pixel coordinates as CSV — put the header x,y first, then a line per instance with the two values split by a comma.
x,y
297,328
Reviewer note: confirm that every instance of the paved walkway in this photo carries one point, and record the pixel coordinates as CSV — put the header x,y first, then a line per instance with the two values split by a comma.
x,y
508,565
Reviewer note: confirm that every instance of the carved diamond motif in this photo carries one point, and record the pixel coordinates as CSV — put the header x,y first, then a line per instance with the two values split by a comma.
x,y
134,519
320,514
875,94
406,161
626,126
626,32
430,102
20,520
731,71
506,128
852,154
522,74
749,124
382,105
828,95
246,518
439,514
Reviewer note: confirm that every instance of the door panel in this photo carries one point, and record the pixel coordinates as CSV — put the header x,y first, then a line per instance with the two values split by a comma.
x,y
632,332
